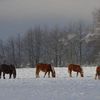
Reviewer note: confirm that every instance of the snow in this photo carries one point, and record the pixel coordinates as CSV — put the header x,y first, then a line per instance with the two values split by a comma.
x,y
91,36
27,87
71,36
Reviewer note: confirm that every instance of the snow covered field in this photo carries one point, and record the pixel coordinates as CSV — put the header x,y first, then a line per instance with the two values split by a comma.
x,y
27,87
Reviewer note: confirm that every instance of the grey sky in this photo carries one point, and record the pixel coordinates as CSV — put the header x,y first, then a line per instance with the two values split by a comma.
x,y
17,16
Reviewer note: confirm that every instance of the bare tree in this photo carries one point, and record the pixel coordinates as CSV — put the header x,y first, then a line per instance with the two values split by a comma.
x,y
2,52
97,35
80,43
11,51
18,50
38,42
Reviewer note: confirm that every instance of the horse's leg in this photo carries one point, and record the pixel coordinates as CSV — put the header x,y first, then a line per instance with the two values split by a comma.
x,y
99,77
3,75
70,73
10,76
77,74
37,73
49,74
0,74
45,74
96,76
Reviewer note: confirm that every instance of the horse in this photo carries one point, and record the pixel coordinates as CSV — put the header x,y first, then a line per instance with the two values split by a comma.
x,y
46,68
75,68
8,69
97,73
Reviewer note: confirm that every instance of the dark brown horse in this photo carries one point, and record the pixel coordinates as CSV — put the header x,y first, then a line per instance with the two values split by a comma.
x,y
97,73
7,69
75,68
46,68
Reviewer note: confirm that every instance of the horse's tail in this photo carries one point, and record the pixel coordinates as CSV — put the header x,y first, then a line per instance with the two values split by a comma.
x,y
37,71
0,71
68,68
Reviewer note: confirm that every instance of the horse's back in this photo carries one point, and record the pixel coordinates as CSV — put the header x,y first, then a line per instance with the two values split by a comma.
x,y
7,68
4,68
74,67
43,67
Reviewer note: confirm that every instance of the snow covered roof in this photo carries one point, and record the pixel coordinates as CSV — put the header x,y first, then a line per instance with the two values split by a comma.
x,y
91,36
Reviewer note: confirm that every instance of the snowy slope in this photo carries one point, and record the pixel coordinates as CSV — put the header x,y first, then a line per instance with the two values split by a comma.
x,y
27,87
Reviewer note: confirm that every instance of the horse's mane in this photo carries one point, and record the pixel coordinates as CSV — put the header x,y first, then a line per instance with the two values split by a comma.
x,y
52,67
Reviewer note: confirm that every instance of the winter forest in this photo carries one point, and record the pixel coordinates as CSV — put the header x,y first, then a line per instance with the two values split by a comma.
x,y
77,43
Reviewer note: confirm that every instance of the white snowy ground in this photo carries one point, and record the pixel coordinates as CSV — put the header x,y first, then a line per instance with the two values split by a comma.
x,y
27,87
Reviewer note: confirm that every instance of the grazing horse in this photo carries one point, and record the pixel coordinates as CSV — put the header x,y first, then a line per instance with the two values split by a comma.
x,y
46,68
75,68
97,73
8,69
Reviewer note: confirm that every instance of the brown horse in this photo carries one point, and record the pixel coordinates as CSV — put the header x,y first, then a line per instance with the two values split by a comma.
x,y
75,68
46,68
8,69
97,73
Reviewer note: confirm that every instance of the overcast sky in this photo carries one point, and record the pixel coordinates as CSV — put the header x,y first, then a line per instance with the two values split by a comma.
x,y
17,16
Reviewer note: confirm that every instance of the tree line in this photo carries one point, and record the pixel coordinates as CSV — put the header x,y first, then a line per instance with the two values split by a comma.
x,y
58,46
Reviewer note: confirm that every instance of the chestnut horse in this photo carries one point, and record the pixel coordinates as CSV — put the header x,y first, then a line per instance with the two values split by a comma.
x,y
97,73
8,69
75,68
46,68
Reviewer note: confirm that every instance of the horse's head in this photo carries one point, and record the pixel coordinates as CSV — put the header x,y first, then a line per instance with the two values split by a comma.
x,y
53,72
14,74
14,71
82,73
